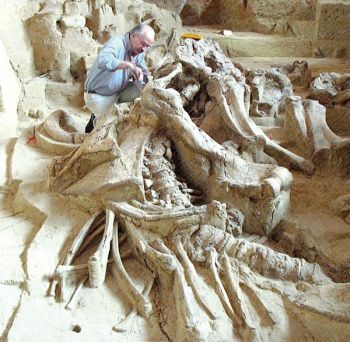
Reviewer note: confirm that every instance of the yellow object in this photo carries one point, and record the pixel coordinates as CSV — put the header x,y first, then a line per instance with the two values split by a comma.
x,y
191,35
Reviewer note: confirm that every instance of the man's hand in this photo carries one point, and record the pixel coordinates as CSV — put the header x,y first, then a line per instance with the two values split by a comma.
x,y
136,72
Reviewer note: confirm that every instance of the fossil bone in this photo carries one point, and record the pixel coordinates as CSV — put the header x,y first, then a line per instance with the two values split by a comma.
x,y
124,326
71,254
172,237
143,305
98,261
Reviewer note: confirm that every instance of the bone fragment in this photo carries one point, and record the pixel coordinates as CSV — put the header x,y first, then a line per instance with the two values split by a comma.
x,y
73,300
62,269
125,325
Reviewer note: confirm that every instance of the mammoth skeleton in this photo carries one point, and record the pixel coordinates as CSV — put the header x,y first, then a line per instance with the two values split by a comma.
x,y
166,184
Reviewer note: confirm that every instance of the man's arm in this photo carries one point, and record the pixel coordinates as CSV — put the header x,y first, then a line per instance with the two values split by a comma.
x,y
109,60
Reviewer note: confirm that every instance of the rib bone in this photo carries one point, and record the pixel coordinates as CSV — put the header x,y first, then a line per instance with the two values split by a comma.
x,y
219,288
235,294
191,275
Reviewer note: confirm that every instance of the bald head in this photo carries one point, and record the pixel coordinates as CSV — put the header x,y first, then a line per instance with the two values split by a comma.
x,y
141,38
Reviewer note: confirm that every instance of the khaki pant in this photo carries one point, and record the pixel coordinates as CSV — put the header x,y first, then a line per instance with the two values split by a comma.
x,y
101,104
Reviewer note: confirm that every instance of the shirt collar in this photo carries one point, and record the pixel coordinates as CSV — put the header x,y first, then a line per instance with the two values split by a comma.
x,y
127,44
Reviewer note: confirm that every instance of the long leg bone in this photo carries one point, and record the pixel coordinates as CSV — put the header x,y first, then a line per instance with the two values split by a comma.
x,y
125,325
71,254
144,306
192,321
191,275
98,261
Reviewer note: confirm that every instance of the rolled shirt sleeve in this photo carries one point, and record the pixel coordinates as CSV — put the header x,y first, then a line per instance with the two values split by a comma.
x,y
103,78
109,58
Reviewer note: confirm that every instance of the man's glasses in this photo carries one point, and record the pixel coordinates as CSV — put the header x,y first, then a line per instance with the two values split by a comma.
x,y
143,44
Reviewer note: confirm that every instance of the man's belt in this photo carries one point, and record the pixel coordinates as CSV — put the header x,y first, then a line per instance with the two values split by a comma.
x,y
90,91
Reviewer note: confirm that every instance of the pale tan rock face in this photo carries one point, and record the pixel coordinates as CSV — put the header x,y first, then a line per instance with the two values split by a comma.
x,y
331,88
253,15
9,96
332,19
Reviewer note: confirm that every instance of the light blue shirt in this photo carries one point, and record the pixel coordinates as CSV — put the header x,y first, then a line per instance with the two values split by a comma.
x,y
102,78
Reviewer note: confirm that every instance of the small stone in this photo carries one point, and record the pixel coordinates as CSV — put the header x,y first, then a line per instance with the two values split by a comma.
x,y
226,32
317,53
154,195
168,154
339,53
73,21
32,114
148,183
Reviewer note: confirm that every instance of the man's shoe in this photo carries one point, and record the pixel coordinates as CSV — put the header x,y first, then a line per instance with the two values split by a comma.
x,y
90,126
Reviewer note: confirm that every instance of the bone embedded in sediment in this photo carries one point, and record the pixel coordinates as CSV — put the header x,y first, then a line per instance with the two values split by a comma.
x,y
193,278
125,325
74,249
165,261
216,214
74,298
269,90
235,294
219,287
90,238
259,258
98,261
229,96
164,81
266,316
280,180
62,128
307,128
162,180
143,305
193,323
330,88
